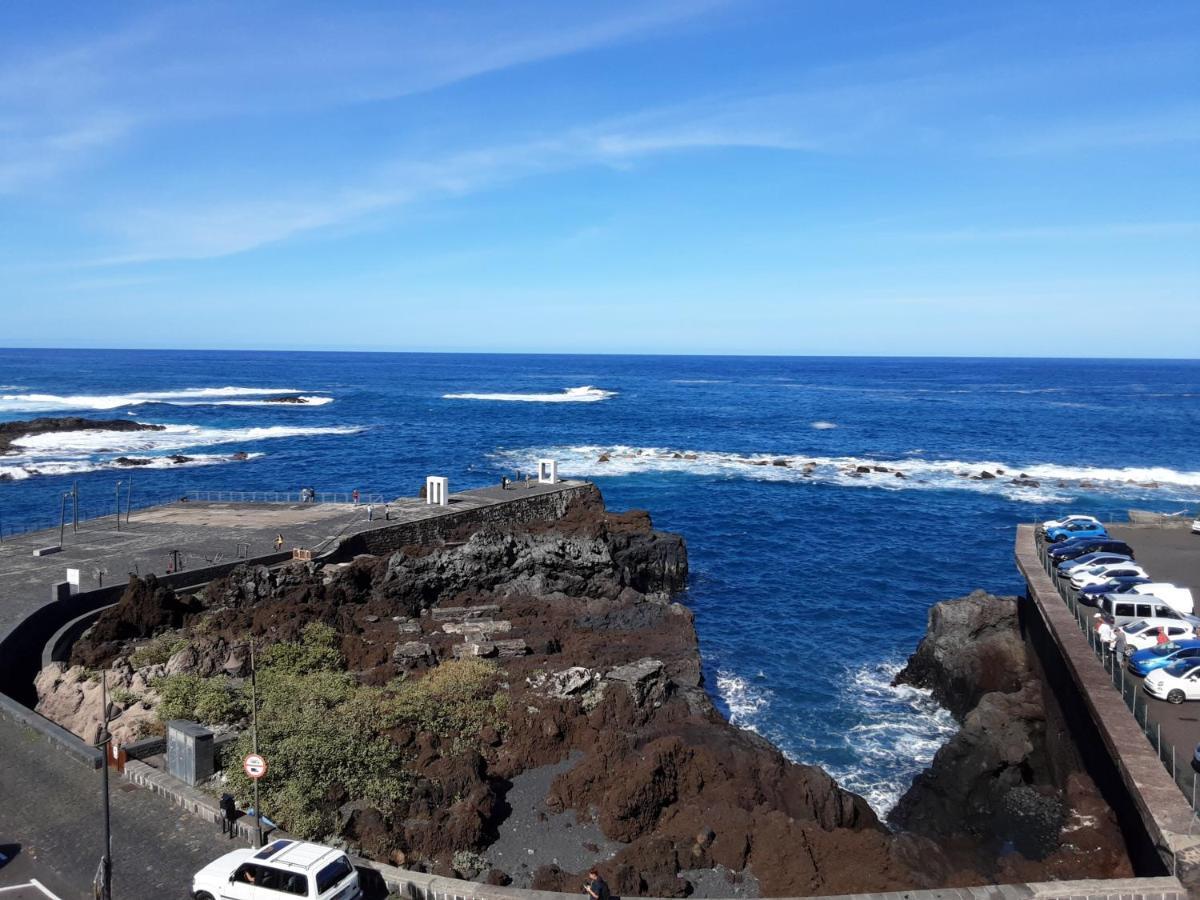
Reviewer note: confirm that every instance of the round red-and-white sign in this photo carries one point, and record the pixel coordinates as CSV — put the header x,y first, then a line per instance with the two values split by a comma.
x,y
255,766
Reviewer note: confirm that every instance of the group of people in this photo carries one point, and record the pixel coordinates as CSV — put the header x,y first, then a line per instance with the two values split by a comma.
x,y
1116,640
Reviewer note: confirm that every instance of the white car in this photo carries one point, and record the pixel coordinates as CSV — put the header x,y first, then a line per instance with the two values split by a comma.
x,y
1179,598
1101,574
1063,523
282,868
1174,683
1143,634
1195,526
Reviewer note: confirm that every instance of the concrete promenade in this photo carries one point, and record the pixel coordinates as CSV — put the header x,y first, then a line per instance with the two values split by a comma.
x,y
204,534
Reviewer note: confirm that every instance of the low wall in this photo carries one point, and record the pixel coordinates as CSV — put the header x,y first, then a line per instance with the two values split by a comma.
x,y
540,507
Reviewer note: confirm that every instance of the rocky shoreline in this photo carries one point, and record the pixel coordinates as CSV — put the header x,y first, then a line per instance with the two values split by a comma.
x,y
12,431
537,686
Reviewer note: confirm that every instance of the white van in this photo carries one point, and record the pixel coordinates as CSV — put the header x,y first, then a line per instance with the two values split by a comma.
x,y
1125,608
282,869
1178,597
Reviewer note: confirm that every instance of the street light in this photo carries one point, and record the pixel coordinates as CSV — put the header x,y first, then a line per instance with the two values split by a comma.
x,y
62,518
118,504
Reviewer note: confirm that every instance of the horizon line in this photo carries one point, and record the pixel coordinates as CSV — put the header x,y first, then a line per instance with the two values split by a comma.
x,y
647,354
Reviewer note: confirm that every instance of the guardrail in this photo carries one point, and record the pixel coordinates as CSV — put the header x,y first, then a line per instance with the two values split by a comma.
x,y
284,497
88,512
1176,760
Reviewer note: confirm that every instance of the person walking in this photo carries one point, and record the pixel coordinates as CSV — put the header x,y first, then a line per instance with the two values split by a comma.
x,y
1106,636
1162,636
278,542
354,496
1122,643
228,814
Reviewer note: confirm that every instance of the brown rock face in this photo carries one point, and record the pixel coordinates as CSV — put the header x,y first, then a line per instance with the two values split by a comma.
x,y
991,797
144,609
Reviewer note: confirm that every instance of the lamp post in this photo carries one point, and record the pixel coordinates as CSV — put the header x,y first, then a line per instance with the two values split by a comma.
x,y
104,875
118,504
62,518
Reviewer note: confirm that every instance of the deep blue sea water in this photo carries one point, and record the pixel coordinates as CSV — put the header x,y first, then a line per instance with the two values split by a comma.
x,y
809,591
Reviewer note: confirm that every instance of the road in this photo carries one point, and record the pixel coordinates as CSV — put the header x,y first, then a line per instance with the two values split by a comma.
x,y
52,815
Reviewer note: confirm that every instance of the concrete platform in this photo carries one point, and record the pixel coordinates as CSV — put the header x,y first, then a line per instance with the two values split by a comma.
x,y
204,534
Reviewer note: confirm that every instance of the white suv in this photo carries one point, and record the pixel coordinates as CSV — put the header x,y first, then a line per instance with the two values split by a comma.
x,y
281,869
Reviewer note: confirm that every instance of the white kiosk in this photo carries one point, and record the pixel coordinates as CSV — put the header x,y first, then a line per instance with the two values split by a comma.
x,y
437,491
547,471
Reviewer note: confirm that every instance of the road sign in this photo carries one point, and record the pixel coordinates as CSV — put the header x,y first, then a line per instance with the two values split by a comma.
x,y
255,766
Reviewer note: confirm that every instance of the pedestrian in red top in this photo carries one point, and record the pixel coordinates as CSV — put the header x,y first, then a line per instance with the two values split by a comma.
x,y
1162,636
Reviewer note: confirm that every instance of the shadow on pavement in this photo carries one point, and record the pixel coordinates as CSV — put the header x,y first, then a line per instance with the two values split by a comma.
x,y
7,853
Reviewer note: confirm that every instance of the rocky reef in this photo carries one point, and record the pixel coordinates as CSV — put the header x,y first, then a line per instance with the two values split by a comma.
x,y
11,431
991,798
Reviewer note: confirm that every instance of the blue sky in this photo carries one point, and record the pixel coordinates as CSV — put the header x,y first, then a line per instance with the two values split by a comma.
x,y
683,177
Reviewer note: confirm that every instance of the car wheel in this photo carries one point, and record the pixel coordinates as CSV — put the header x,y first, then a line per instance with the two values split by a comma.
x,y
1175,696
202,895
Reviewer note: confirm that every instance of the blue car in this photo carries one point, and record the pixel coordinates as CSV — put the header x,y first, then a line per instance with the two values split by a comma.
x,y
1091,559
1090,595
1076,530
1146,661
1077,547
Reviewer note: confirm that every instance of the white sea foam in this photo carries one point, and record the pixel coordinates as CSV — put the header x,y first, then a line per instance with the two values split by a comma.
x,y
80,466
899,731
744,700
584,394
823,426
73,452
35,402
1045,483
309,400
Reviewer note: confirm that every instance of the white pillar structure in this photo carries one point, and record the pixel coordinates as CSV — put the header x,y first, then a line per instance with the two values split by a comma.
x,y
547,471
437,491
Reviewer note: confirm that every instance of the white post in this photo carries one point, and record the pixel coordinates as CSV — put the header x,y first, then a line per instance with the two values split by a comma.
x,y
73,580
437,491
547,471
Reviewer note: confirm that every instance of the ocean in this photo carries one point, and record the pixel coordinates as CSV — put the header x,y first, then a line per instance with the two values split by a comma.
x,y
810,579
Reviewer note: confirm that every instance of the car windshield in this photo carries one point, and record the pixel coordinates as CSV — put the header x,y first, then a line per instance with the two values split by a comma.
x,y
1180,669
1136,627
1166,649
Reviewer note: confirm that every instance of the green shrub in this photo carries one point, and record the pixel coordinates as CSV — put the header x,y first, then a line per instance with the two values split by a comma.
x,y
157,650
316,651
213,701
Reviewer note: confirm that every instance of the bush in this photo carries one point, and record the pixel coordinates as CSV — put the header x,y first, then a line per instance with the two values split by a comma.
x,y
213,701
456,699
317,651
157,650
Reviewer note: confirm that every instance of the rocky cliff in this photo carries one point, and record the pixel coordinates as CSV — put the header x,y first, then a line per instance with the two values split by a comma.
x,y
991,797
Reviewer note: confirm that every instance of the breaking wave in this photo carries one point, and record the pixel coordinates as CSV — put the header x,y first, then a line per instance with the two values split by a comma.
x,y
743,700
584,394
823,426
73,452
183,397
1035,483
900,729
80,466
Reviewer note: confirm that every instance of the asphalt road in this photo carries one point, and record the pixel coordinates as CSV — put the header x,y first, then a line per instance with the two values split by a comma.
x,y
50,812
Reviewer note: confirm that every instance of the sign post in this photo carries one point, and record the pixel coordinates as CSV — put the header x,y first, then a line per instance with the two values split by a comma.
x,y
255,768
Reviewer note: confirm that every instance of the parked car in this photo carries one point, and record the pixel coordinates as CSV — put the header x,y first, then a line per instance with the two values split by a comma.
x,y
1195,526
1078,547
1178,597
1076,530
1090,594
1143,634
1174,683
1159,657
1067,520
282,868
1126,608
1091,559
1098,574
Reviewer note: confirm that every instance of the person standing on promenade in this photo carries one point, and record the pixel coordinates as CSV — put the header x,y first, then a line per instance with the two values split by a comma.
x,y
1162,636
1122,643
354,496
1105,633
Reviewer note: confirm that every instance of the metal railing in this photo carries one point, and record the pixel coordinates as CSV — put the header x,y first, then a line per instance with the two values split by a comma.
x,y
284,497
88,511
1176,760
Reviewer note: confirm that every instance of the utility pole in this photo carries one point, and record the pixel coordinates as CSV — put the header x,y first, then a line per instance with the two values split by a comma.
x,y
62,518
118,504
254,736
129,499
75,507
104,875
